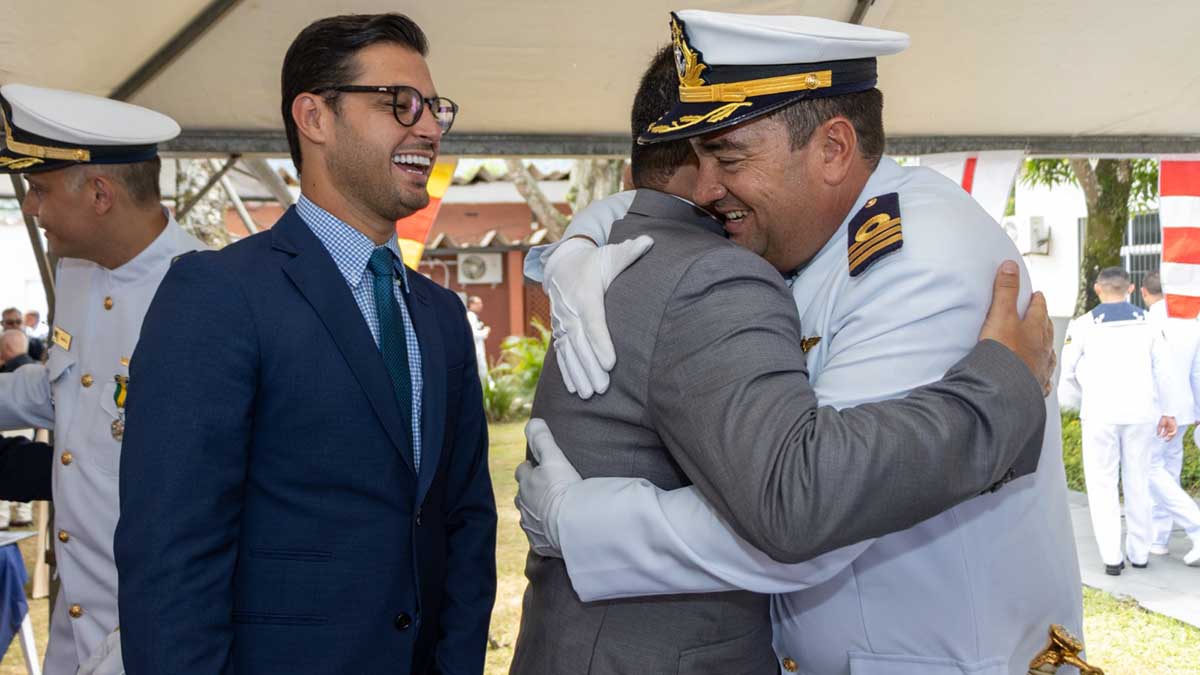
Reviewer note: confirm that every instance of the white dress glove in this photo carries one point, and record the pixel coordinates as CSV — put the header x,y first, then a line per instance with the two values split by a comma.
x,y
577,276
106,660
540,489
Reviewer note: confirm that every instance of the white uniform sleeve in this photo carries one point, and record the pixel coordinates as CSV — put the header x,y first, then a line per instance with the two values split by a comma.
x,y
594,222
25,398
1193,378
1070,395
623,537
1167,380
477,328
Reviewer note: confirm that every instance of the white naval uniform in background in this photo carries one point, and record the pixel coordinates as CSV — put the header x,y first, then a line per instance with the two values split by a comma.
x,y
72,394
1172,505
972,590
1117,371
479,333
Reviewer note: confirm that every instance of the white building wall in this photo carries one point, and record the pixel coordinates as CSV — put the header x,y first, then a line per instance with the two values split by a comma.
x,y
20,282
1057,274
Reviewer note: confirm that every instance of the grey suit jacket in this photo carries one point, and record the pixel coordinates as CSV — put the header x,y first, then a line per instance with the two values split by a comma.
x,y
711,388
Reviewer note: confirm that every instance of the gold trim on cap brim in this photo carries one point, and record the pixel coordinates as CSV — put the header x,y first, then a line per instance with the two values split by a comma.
x,y
42,151
736,92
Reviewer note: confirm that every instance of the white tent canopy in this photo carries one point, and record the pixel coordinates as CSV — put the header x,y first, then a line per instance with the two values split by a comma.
x,y
546,77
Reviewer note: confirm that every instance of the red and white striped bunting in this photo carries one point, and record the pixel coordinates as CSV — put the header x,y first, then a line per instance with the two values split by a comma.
x,y
987,176
1179,215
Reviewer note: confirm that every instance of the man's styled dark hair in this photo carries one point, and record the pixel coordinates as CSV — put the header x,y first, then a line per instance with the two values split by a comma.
x,y
322,56
1113,279
864,109
1152,283
654,165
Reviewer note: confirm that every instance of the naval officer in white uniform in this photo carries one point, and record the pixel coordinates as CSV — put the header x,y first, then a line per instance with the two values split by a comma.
x,y
1118,372
92,166
1172,505
894,293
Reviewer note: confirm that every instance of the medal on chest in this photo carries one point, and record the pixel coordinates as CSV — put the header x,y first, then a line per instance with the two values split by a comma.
x,y
119,394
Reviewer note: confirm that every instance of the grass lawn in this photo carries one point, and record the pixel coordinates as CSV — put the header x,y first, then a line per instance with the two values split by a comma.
x,y
1122,638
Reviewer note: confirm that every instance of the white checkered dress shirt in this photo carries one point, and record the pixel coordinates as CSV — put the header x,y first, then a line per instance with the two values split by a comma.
x,y
351,250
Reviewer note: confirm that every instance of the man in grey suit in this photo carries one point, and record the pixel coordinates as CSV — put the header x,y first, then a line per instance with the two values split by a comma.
x,y
713,391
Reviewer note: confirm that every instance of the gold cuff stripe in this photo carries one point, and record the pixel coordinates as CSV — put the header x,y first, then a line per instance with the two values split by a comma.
x,y
866,255
44,152
734,92
859,246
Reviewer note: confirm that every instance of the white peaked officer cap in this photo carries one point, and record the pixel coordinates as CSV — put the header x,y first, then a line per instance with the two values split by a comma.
x,y
735,67
48,129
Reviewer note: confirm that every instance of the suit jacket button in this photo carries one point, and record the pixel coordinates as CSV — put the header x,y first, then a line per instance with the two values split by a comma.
x,y
418,516
403,621
789,665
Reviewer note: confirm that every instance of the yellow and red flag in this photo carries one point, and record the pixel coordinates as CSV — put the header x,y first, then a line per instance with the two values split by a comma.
x,y
412,231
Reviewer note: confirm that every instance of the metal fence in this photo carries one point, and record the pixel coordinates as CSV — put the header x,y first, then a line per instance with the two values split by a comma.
x,y
1142,252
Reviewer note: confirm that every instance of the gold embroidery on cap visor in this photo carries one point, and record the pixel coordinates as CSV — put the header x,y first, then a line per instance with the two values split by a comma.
x,y
34,150
710,117
18,163
687,62
734,92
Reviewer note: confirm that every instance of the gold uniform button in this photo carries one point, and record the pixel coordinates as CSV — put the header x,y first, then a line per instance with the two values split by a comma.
x,y
67,458
63,536
108,303
75,611
789,665
87,380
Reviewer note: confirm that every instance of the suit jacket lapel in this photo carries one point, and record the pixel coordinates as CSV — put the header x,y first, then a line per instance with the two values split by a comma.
x,y
433,394
315,275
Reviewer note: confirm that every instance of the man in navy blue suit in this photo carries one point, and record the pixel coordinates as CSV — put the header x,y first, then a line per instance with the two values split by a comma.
x,y
311,494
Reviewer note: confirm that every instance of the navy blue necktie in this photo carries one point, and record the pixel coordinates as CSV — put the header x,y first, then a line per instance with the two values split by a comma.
x,y
391,329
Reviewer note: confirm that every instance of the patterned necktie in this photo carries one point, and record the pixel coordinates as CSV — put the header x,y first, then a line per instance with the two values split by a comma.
x,y
391,328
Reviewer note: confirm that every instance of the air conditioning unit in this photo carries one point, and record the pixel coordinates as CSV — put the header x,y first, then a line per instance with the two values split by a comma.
x,y
480,268
1030,234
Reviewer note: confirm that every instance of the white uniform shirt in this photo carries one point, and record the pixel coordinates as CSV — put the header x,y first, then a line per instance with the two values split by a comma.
x,y
1117,368
973,590
1183,340
101,311
480,334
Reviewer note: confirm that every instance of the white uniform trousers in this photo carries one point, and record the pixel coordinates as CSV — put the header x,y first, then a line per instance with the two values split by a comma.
x,y
1109,451
1172,505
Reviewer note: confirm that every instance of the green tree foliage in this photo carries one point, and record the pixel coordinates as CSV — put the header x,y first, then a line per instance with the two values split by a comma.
x,y
512,380
1112,188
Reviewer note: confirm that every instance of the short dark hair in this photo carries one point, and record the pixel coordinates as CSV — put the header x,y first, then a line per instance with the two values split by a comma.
x,y
1152,283
1114,279
139,179
654,165
864,109
322,56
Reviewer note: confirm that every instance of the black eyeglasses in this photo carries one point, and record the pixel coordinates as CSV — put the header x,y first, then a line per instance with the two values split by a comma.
x,y
407,103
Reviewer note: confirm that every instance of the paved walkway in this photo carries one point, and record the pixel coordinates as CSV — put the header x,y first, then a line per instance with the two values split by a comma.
x,y
1167,586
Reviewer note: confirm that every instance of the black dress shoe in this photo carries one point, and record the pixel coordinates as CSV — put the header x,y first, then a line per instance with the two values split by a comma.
x,y
1114,570
1141,566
